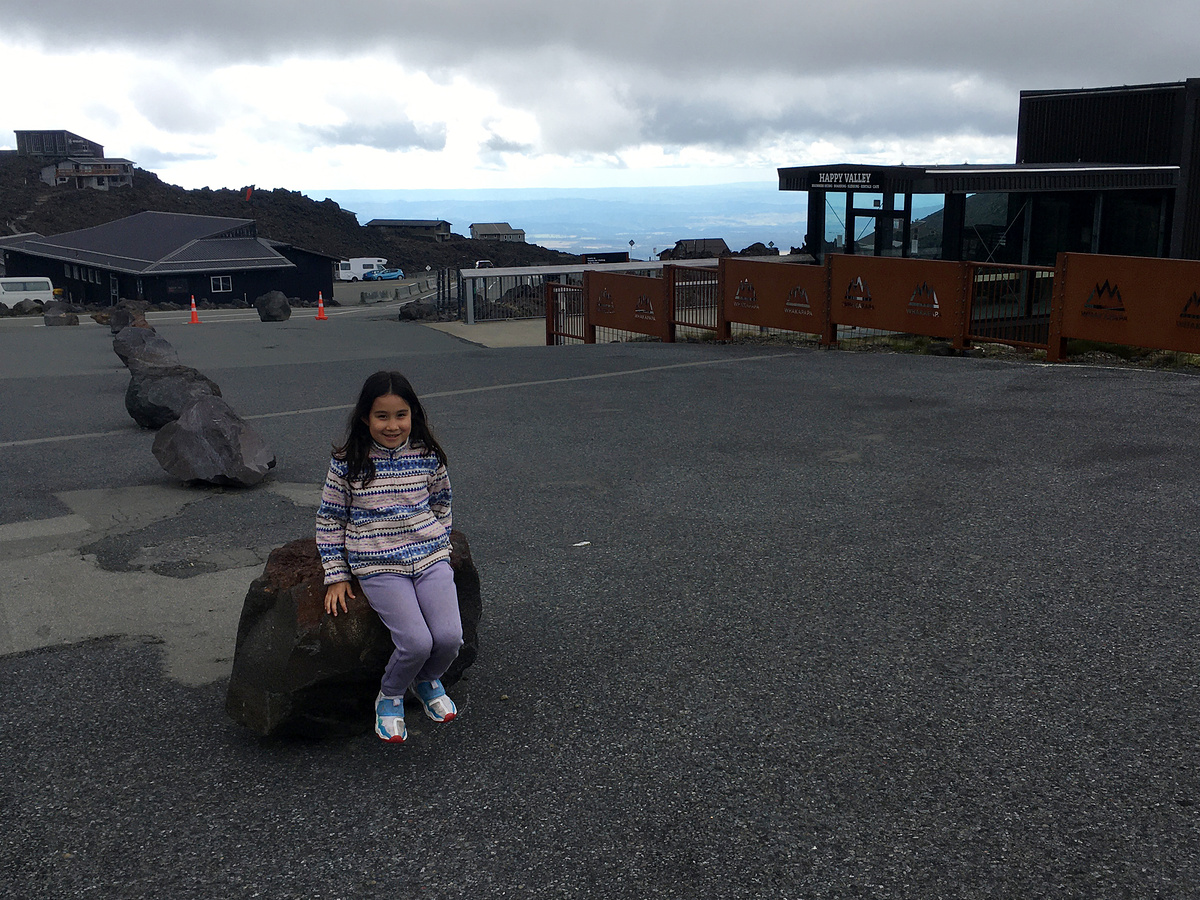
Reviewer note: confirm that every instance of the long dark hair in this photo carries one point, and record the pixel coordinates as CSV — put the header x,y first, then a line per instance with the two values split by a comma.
x,y
356,450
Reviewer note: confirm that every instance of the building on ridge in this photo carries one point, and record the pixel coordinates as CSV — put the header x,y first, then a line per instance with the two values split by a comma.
x,y
437,229
497,231
74,161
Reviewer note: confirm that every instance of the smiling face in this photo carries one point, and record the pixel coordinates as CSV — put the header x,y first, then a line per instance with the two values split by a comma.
x,y
389,421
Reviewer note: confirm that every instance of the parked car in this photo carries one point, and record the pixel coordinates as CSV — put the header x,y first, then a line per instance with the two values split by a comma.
x,y
483,264
383,275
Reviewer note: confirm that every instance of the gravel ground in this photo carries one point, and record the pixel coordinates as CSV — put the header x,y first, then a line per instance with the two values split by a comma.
x,y
760,622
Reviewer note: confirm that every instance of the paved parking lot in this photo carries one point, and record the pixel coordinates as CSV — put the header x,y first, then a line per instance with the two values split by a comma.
x,y
759,622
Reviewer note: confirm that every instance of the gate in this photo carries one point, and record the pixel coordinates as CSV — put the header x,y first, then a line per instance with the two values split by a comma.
x,y
566,313
1010,304
697,294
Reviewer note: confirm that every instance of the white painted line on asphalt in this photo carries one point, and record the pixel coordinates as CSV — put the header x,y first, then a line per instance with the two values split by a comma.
x,y
62,438
524,384
43,528
463,391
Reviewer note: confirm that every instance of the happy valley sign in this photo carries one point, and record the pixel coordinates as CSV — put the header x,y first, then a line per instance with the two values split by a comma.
x,y
846,181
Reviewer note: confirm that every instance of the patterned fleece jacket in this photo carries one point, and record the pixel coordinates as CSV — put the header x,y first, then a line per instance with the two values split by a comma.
x,y
399,523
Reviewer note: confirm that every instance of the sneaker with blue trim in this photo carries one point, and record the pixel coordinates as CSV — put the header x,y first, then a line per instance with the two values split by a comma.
x,y
434,701
389,719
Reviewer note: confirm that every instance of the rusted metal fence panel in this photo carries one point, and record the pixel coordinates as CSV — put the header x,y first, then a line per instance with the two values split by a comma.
x,y
632,303
697,297
914,296
1010,304
1132,300
787,296
566,313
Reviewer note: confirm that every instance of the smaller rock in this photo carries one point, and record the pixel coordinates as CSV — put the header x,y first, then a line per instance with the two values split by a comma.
x,y
158,395
27,307
57,313
418,309
273,306
123,317
140,347
209,442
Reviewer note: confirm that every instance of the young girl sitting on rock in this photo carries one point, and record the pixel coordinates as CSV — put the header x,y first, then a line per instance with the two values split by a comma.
x,y
385,518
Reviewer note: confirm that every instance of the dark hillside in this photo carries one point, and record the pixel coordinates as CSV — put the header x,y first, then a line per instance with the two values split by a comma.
x,y
27,204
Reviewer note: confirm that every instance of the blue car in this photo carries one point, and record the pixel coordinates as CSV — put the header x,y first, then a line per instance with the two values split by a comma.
x,y
383,275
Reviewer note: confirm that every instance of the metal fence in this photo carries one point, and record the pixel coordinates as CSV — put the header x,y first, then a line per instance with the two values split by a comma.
x,y
1132,301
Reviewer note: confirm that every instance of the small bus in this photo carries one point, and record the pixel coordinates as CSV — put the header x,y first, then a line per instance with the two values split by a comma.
x,y
28,287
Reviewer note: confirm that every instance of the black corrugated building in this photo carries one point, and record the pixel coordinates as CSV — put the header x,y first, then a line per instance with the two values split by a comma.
x,y
1101,170
159,256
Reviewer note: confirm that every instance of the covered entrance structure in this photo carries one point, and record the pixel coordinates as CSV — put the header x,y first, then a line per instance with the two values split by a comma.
x,y
1109,170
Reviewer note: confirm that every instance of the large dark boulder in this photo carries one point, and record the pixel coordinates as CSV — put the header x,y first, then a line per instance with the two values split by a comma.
x,y
157,395
298,671
273,306
28,307
209,442
142,347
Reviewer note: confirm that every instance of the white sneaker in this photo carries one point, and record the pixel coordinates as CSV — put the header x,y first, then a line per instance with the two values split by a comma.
x,y
389,719
434,701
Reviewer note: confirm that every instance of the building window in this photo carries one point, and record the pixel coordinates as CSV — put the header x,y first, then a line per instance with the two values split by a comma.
x,y
67,269
222,284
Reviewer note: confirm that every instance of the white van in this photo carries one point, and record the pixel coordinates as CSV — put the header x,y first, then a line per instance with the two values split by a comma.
x,y
30,287
354,269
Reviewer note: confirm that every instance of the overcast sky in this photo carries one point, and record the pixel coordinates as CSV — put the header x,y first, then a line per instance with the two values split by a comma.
x,y
526,93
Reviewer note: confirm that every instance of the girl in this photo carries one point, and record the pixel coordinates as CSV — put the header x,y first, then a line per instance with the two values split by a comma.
x,y
385,518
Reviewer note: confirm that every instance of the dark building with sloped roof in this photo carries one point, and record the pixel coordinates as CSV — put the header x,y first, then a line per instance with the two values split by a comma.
x,y
56,144
171,257
436,229
1102,170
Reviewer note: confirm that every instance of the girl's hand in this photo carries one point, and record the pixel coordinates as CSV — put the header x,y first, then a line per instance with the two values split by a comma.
x,y
335,594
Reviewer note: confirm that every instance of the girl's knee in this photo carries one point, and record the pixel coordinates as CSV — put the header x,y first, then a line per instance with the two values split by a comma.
x,y
419,645
448,639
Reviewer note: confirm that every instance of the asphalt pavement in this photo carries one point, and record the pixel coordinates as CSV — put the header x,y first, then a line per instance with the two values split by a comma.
x,y
759,622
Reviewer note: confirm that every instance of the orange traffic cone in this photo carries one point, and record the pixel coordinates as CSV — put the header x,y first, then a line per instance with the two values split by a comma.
x,y
321,317
195,316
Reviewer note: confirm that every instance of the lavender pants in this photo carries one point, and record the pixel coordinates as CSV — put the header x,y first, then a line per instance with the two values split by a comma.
x,y
422,615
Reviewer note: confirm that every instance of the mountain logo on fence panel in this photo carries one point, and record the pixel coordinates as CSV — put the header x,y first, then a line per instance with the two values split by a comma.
x,y
1190,317
1104,302
605,302
924,301
858,295
746,296
644,308
797,303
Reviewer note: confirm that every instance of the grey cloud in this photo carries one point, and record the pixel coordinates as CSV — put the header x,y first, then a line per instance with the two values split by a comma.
x,y
819,56
497,144
398,135
172,108
152,158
